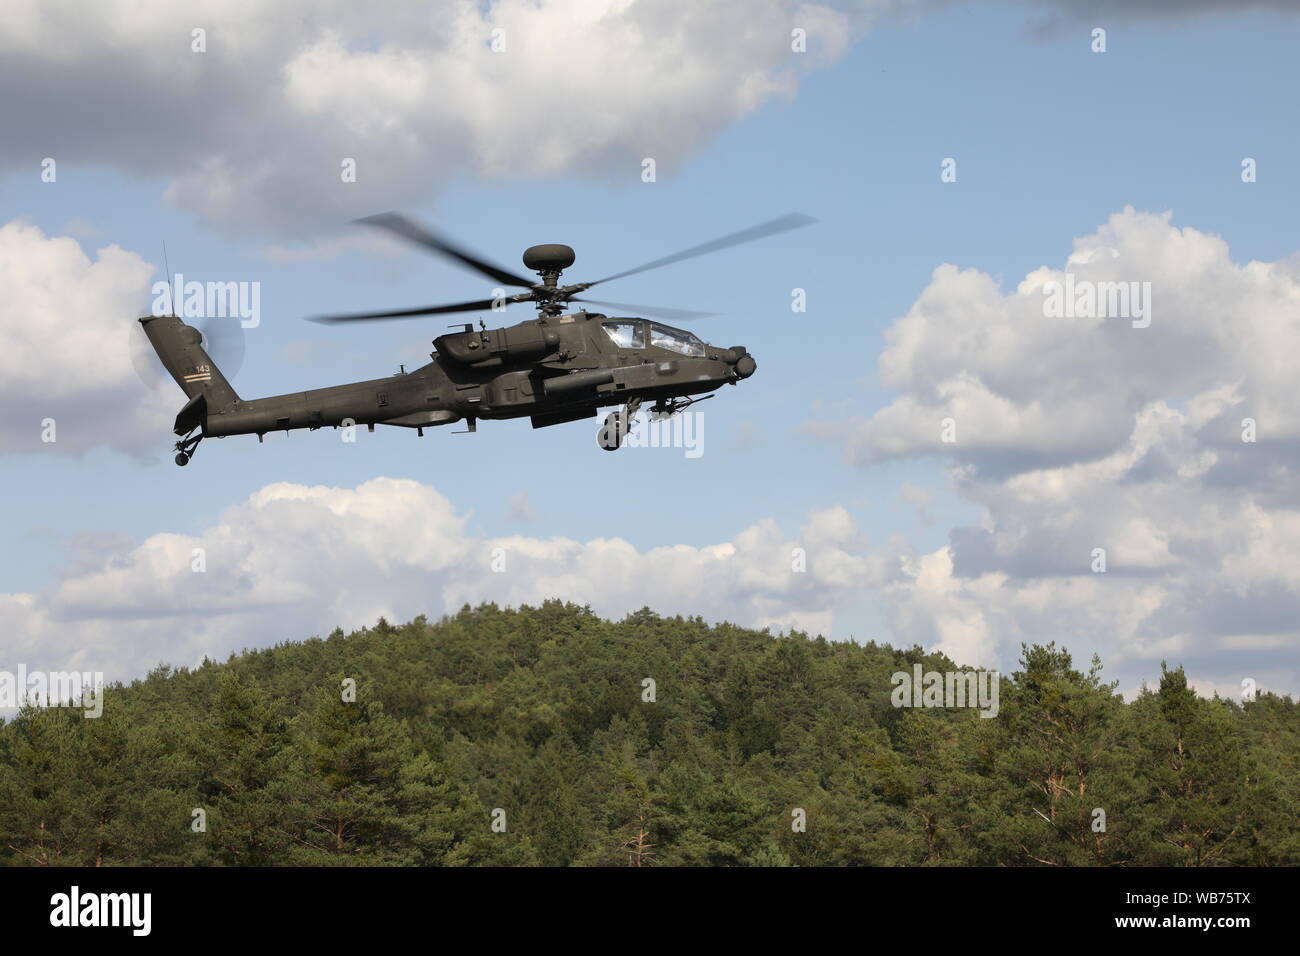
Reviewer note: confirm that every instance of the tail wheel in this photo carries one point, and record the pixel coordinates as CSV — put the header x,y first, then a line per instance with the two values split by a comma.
x,y
185,449
612,433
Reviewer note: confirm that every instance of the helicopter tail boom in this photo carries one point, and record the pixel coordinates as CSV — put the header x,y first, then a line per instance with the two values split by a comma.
x,y
180,348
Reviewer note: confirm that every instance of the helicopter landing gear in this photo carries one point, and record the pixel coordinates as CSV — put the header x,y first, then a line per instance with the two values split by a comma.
x,y
185,449
617,425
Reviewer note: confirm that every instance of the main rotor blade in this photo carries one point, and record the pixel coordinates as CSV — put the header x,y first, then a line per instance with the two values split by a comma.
x,y
414,232
481,305
785,223
658,311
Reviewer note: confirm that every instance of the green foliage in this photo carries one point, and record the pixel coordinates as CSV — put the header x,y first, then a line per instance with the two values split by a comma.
x,y
402,745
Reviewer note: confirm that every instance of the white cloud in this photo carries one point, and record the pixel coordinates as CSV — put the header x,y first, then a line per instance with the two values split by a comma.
x,y
251,133
292,560
1079,434
1026,390
68,322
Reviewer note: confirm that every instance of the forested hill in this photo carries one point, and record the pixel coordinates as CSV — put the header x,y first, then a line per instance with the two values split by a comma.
x,y
755,750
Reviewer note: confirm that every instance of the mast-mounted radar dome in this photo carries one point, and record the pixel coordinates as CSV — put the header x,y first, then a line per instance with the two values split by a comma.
x,y
551,257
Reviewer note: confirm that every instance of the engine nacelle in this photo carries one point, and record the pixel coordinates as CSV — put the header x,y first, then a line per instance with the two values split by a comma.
x,y
526,342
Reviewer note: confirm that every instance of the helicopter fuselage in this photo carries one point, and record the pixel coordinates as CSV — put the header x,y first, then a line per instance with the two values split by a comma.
x,y
552,369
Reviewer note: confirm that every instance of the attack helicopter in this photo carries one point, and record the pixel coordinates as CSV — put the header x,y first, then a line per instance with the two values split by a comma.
x,y
562,366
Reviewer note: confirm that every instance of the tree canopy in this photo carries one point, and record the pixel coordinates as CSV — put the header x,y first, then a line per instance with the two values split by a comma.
x,y
550,736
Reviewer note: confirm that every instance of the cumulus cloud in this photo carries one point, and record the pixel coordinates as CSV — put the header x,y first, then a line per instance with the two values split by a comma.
x,y
68,320
292,560
1079,436
251,133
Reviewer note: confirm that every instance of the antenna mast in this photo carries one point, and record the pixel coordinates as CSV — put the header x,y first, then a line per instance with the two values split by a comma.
x,y
171,291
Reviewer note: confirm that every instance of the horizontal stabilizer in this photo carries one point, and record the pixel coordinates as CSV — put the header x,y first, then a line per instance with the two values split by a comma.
x,y
193,415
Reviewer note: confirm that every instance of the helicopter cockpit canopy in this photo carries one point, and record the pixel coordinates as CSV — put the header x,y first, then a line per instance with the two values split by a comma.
x,y
626,333
630,334
675,340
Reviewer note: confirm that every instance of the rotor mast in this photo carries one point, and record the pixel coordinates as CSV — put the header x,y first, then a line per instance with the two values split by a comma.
x,y
549,261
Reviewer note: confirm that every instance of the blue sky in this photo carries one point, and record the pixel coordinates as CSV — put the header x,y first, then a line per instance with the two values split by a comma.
x,y
1050,139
